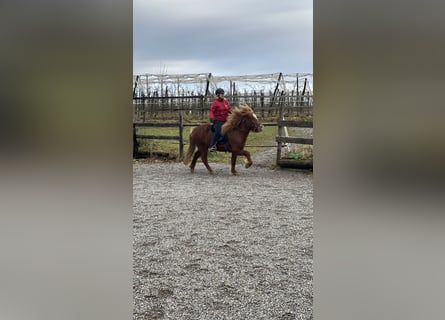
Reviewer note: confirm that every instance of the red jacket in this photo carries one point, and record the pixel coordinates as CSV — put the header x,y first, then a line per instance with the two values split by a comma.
x,y
219,109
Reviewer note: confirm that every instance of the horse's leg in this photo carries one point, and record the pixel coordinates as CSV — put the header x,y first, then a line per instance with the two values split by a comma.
x,y
233,163
204,153
248,158
240,153
195,158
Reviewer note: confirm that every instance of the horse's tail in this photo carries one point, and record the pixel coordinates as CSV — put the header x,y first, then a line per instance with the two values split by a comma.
x,y
190,150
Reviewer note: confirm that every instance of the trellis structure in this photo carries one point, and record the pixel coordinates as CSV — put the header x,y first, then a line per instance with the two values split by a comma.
x,y
157,95
167,85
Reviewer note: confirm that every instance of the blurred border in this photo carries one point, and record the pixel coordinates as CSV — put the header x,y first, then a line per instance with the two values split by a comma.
x,y
378,168
66,167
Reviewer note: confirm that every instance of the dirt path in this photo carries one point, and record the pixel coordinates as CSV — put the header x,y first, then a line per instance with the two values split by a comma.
x,y
222,246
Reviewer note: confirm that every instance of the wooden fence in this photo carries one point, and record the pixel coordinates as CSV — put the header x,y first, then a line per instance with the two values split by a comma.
x,y
180,137
281,140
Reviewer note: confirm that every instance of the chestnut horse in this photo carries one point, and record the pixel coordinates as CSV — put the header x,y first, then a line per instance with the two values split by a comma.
x,y
240,122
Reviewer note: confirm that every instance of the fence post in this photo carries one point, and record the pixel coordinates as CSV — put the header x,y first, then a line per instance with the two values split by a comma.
x,y
135,142
181,136
203,107
280,132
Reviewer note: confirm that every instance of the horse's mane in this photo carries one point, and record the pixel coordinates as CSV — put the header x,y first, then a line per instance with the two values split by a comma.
x,y
236,118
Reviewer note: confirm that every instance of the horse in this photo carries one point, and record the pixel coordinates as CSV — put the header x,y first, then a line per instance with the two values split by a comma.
x,y
235,130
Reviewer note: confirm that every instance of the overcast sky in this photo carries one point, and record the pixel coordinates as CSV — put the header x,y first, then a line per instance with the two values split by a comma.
x,y
226,37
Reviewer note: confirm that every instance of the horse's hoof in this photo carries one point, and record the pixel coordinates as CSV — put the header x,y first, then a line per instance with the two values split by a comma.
x,y
234,173
248,165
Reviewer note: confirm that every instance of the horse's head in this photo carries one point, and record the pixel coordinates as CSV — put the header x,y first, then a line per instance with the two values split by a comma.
x,y
257,126
242,118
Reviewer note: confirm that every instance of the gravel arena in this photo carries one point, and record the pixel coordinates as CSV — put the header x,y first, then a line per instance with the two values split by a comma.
x,y
222,246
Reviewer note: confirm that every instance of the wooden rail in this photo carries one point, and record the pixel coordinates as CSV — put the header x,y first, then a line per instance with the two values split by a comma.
x,y
294,140
179,137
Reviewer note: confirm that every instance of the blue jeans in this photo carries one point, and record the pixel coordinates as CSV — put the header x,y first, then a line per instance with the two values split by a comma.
x,y
217,124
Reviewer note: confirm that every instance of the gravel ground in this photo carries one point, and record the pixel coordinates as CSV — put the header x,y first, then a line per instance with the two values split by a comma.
x,y
222,246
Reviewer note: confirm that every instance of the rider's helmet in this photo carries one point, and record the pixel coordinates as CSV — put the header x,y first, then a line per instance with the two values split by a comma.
x,y
219,91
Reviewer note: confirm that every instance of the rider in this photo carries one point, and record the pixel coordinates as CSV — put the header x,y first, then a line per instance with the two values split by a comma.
x,y
219,110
